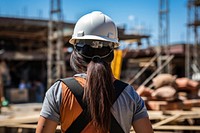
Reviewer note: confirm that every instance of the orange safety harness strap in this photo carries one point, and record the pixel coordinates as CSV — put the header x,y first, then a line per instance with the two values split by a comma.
x,y
83,119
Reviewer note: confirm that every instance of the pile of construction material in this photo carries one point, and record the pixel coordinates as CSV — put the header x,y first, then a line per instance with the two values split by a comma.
x,y
168,92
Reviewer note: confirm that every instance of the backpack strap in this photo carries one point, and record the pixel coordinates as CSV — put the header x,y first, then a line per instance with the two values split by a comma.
x,y
83,119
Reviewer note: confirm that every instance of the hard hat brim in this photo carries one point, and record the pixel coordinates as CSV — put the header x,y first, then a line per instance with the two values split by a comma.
x,y
92,37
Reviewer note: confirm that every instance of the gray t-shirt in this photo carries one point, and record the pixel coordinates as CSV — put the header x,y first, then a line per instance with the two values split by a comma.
x,y
128,108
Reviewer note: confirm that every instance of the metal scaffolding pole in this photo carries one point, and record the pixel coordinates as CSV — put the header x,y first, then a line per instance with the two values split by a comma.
x,y
164,30
192,60
187,47
55,58
164,22
196,34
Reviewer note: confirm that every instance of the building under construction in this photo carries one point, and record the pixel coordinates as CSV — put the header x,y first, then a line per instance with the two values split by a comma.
x,y
37,49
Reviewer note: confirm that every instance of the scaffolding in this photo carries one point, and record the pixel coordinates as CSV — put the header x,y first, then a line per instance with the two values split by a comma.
x,y
163,35
163,58
55,59
192,56
164,22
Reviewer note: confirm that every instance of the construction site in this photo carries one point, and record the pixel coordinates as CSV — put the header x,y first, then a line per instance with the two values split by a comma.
x,y
37,51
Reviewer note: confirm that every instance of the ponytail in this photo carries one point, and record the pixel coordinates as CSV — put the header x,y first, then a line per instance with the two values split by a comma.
x,y
99,93
99,89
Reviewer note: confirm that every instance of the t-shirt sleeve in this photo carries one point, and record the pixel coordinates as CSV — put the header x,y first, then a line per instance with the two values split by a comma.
x,y
51,103
140,108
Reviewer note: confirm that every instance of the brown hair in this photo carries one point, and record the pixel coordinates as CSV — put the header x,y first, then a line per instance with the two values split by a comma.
x,y
99,89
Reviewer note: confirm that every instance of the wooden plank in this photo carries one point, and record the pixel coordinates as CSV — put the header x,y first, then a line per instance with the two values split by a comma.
x,y
165,105
194,102
166,120
156,115
177,127
26,119
27,126
20,113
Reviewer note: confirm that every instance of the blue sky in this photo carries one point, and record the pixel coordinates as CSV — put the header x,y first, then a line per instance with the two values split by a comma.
x,y
135,14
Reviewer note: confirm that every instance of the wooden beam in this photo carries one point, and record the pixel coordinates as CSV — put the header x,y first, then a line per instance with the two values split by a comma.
x,y
27,126
41,35
166,120
177,127
24,56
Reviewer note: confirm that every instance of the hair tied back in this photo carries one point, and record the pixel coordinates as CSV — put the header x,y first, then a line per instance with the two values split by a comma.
x,y
96,58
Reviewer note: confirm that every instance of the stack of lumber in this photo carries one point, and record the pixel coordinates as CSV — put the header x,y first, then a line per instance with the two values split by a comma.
x,y
20,118
16,115
176,120
173,105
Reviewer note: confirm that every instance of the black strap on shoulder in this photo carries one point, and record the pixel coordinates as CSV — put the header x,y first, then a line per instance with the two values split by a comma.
x,y
75,88
83,119
119,87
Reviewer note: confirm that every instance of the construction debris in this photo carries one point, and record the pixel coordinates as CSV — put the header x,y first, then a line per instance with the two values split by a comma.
x,y
170,93
164,79
166,93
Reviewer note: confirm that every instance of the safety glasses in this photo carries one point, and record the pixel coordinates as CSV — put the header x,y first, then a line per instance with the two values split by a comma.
x,y
94,43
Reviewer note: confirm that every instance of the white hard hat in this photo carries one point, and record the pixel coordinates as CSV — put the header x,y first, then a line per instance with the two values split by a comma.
x,y
95,26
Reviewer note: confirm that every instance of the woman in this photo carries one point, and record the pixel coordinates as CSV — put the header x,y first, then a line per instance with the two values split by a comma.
x,y
105,104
